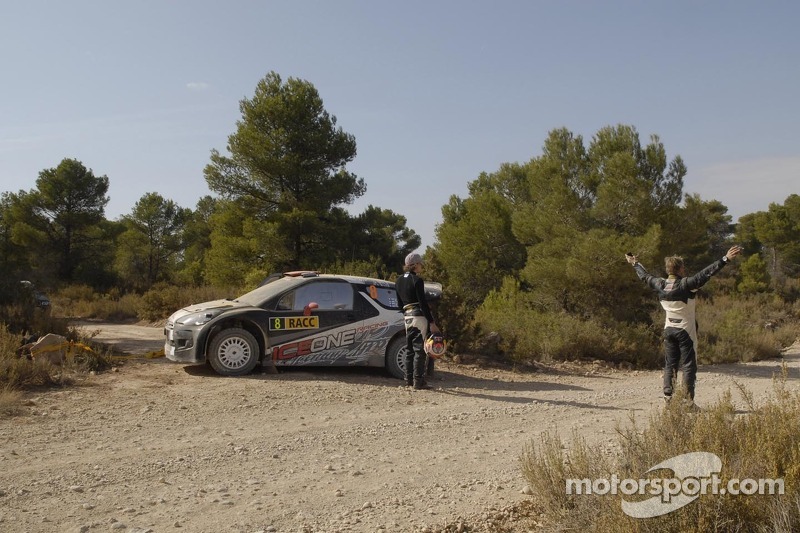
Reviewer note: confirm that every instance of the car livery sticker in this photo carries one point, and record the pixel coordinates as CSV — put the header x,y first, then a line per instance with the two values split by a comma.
x,y
293,322
313,345
350,345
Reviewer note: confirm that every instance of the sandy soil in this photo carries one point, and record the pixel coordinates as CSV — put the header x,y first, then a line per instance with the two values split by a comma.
x,y
155,446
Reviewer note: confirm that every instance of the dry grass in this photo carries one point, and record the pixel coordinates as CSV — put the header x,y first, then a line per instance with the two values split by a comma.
x,y
763,443
19,373
745,329
10,401
163,299
156,304
82,301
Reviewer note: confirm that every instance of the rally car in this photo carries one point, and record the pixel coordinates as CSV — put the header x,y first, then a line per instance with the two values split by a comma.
x,y
296,318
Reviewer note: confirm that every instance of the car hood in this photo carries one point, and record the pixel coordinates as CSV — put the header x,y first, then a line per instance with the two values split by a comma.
x,y
213,305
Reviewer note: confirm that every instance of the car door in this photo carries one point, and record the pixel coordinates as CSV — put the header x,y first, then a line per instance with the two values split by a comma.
x,y
314,324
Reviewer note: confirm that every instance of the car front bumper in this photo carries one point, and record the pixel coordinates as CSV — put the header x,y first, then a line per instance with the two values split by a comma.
x,y
181,344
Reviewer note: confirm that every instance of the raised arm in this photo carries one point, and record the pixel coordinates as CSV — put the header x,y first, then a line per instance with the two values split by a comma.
x,y
651,281
702,277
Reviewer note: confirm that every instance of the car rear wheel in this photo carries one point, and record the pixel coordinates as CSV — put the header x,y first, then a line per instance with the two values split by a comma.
x,y
233,352
396,357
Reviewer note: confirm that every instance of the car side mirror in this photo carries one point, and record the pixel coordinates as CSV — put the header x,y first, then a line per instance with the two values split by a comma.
x,y
310,307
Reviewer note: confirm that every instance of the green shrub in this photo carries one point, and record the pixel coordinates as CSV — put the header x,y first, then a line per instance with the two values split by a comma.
x,y
73,301
528,334
163,300
115,309
18,307
731,329
154,305
745,329
753,275
762,444
81,301
75,293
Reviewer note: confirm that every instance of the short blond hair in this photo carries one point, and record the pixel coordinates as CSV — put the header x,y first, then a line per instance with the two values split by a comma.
x,y
673,264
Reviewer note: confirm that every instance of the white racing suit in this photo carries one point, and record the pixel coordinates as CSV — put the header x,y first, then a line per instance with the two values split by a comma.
x,y
416,333
417,317
677,297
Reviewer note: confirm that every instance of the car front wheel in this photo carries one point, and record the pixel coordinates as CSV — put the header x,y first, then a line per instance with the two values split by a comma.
x,y
233,352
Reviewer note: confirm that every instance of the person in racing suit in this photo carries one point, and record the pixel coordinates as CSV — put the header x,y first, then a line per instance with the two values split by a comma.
x,y
677,296
418,320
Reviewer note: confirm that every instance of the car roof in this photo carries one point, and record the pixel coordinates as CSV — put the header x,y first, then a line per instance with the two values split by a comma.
x,y
433,290
287,280
306,274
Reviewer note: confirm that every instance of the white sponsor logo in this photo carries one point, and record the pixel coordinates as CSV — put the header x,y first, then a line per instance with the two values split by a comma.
x,y
693,475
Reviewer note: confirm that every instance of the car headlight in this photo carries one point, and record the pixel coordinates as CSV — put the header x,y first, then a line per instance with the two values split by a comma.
x,y
197,319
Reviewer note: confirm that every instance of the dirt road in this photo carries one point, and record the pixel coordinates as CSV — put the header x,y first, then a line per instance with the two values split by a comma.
x,y
154,446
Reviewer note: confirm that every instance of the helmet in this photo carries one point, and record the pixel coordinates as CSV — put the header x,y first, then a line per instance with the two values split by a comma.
x,y
435,346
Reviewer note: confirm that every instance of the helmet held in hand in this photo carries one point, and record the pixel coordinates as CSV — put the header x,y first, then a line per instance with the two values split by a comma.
x,y
435,346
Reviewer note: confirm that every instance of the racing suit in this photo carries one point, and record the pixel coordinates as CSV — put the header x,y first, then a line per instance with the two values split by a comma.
x,y
677,297
417,316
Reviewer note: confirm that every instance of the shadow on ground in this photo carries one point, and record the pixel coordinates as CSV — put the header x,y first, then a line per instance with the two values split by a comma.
x,y
763,369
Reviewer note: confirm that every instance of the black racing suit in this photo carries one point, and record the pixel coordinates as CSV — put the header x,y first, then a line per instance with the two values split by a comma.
x,y
417,317
677,297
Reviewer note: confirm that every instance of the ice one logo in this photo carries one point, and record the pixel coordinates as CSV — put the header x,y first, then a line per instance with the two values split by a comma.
x,y
693,472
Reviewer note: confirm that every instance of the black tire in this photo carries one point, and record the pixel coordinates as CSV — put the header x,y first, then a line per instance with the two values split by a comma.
x,y
233,352
396,357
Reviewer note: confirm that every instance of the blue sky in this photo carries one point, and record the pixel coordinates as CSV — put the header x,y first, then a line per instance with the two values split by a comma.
x,y
435,92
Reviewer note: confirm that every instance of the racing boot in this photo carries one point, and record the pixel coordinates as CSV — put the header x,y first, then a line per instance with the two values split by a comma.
x,y
419,384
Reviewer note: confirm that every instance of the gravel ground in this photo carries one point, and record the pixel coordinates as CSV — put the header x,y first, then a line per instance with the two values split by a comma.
x,y
156,446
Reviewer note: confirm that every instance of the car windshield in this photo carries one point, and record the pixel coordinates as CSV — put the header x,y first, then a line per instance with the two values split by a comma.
x,y
261,294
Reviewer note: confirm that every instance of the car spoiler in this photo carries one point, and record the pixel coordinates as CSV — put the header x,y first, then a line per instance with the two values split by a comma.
x,y
433,291
292,274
